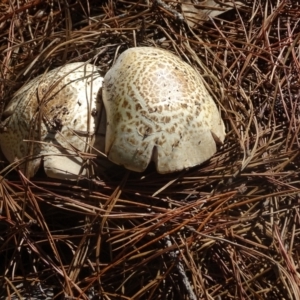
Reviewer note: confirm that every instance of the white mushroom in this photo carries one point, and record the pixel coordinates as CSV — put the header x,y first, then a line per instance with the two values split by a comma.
x,y
158,108
53,119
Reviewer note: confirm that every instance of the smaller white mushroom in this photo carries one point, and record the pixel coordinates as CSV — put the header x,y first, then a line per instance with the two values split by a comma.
x,y
53,119
158,108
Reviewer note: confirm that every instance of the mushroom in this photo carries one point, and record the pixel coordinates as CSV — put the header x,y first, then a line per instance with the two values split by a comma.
x,y
53,119
158,109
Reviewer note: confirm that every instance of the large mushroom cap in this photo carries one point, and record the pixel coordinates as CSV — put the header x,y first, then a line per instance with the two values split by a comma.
x,y
53,119
158,108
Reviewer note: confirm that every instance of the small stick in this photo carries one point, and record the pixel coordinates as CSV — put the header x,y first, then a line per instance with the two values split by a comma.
x,y
173,11
181,270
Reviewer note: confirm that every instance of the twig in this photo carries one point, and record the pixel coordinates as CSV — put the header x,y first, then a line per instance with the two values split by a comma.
x,y
173,11
180,270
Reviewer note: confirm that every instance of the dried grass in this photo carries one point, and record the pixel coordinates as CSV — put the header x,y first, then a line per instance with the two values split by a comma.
x,y
229,229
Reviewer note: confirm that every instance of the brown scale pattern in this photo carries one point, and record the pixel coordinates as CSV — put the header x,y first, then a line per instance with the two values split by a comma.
x,y
158,109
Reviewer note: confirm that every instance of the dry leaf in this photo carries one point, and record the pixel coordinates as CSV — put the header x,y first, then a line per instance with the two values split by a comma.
x,y
197,12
